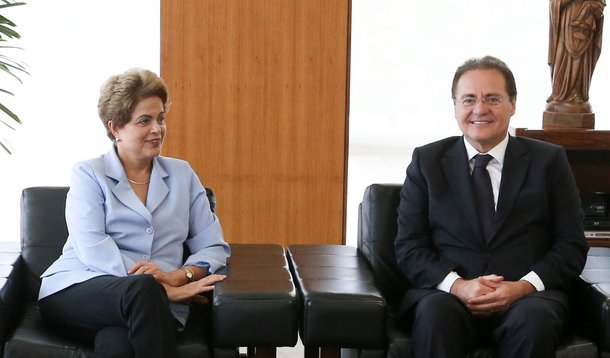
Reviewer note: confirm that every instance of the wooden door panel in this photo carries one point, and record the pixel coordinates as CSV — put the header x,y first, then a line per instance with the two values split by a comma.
x,y
259,93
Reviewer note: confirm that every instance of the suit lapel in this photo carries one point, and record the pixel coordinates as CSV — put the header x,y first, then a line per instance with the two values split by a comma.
x,y
457,173
514,171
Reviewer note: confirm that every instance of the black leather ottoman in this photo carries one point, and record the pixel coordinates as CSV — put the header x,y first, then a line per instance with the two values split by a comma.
x,y
256,306
340,305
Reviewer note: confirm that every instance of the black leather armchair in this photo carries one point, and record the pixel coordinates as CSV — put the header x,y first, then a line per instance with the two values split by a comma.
x,y
377,230
349,296
231,315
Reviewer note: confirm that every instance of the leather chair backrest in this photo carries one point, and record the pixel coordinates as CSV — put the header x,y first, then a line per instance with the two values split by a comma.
x,y
377,228
44,231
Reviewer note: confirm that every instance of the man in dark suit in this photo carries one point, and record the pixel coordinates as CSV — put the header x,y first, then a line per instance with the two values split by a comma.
x,y
494,274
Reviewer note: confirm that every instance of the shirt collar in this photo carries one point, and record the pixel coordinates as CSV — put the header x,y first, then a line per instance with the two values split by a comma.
x,y
497,152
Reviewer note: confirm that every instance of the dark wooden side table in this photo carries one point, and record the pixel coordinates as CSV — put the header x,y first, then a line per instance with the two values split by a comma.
x,y
589,156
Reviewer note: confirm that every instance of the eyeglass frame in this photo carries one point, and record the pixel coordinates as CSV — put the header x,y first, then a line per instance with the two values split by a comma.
x,y
489,100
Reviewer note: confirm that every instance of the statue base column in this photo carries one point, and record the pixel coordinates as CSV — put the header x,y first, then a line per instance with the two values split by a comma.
x,y
559,121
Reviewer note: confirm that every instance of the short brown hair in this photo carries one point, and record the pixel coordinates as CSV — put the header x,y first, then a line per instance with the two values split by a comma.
x,y
486,63
121,93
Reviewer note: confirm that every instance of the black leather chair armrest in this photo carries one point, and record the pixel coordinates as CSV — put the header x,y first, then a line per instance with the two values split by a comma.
x,y
591,312
591,299
600,297
12,289
256,306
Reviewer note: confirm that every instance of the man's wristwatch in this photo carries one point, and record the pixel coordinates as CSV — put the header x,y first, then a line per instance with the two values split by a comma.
x,y
189,273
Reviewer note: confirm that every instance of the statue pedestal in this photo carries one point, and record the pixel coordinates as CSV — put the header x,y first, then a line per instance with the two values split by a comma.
x,y
573,121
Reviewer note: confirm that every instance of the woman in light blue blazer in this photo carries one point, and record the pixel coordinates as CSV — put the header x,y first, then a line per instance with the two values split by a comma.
x,y
121,280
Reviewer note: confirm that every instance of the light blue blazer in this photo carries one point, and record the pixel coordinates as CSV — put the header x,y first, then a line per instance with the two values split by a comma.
x,y
110,229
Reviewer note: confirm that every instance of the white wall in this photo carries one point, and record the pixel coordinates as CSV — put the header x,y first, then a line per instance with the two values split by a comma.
x,y
71,47
404,54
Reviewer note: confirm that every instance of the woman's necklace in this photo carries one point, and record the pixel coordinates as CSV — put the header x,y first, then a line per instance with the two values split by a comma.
x,y
139,182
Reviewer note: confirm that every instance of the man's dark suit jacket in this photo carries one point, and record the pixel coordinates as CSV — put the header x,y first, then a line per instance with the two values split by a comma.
x,y
538,223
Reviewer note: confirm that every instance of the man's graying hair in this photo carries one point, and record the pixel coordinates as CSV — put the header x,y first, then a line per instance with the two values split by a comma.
x,y
486,63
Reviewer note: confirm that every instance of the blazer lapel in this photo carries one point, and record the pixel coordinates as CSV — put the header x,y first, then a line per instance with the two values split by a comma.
x,y
122,190
158,190
457,173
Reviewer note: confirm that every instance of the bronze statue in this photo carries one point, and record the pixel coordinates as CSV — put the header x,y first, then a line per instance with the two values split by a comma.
x,y
575,44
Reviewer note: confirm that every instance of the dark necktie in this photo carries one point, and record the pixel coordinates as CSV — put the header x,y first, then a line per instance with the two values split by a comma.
x,y
483,193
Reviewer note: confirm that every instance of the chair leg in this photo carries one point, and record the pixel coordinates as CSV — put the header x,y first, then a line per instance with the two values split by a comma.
x,y
261,352
227,353
325,352
311,352
330,352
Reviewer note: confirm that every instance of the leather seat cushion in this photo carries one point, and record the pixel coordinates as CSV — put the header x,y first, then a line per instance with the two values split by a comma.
x,y
38,340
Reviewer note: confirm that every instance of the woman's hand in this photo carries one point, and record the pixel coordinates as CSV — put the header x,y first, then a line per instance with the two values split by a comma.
x,y
192,292
148,268
174,278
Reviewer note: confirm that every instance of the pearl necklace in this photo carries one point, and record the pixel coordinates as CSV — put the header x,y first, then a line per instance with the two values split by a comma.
x,y
138,182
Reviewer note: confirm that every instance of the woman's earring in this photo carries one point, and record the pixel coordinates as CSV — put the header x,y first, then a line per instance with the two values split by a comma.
x,y
117,139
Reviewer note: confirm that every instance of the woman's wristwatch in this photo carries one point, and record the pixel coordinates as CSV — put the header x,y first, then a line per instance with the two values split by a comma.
x,y
190,275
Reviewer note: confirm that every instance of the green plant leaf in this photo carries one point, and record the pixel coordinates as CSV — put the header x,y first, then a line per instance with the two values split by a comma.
x,y
4,144
9,32
6,124
8,60
10,4
5,148
7,92
9,65
14,47
4,20
9,113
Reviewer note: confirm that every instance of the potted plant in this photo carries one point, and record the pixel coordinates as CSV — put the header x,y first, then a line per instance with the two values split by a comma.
x,y
8,65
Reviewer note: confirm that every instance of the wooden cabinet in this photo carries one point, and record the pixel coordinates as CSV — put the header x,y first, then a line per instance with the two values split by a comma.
x,y
589,155
259,107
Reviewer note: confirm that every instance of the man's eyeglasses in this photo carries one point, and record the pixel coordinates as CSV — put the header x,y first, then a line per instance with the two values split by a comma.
x,y
492,100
